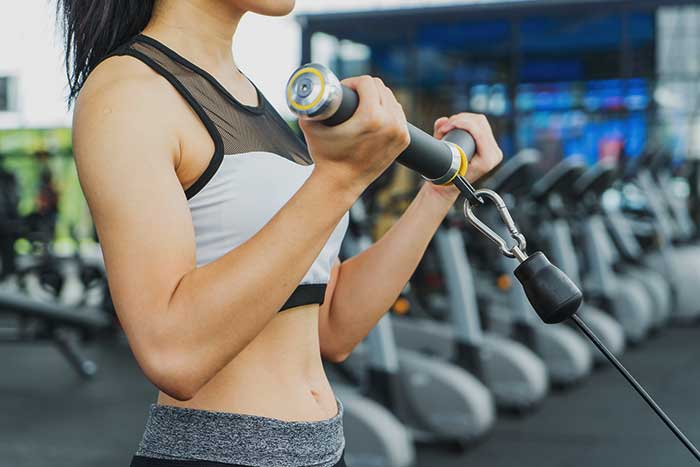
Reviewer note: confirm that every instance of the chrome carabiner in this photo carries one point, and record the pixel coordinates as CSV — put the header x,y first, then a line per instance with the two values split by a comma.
x,y
516,251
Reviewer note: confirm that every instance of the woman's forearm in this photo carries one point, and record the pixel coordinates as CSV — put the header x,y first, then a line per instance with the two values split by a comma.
x,y
368,284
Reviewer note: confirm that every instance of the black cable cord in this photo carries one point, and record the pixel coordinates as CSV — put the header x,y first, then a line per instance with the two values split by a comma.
x,y
637,387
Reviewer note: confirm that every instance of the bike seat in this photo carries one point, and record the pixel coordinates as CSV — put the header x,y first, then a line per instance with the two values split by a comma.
x,y
597,179
560,178
653,158
514,174
661,161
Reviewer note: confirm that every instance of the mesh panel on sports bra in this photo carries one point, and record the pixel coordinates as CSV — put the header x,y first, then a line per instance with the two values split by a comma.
x,y
241,128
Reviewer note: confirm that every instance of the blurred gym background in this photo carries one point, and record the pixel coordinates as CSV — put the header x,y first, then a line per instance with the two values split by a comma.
x,y
596,105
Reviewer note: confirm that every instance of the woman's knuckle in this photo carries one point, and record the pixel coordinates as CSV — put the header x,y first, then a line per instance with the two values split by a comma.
x,y
476,120
405,138
392,130
399,130
373,121
365,80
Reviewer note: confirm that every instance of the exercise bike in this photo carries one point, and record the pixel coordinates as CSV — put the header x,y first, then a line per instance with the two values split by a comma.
x,y
438,401
610,247
516,377
566,355
546,208
672,255
314,92
374,436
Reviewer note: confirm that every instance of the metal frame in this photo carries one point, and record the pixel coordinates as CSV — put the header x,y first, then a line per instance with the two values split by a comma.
x,y
318,21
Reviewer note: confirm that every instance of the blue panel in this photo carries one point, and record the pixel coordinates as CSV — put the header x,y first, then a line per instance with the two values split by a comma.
x,y
556,35
552,70
472,37
391,63
641,27
595,120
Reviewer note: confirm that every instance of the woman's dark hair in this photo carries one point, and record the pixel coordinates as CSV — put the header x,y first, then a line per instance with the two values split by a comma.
x,y
92,29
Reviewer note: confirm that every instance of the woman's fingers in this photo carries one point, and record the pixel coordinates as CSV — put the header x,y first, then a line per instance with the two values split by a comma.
x,y
488,153
369,107
479,127
438,131
382,90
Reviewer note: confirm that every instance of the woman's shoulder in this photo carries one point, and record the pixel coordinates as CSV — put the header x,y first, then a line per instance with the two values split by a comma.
x,y
123,79
123,98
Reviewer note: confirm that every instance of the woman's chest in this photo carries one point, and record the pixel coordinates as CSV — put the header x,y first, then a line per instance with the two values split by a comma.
x,y
245,191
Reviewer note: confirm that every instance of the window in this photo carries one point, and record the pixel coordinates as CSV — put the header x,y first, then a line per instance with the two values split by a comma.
x,y
7,94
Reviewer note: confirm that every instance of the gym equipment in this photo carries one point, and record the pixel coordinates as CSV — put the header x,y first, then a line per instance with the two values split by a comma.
x,y
314,93
66,280
554,297
438,401
566,355
683,228
553,216
42,321
676,260
615,267
516,377
54,323
374,437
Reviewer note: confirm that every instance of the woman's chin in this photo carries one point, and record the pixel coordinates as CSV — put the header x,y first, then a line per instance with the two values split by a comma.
x,y
272,7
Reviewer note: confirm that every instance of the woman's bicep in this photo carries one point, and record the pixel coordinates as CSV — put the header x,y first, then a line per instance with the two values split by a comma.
x,y
125,162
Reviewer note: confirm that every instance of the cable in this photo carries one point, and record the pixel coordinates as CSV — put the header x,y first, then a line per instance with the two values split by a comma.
x,y
637,387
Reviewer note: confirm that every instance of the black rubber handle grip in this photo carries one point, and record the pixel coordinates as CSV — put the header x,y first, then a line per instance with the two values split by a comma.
x,y
348,106
426,155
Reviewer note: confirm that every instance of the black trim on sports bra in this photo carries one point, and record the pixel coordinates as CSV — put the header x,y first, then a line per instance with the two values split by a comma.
x,y
218,156
258,109
305,294
263,103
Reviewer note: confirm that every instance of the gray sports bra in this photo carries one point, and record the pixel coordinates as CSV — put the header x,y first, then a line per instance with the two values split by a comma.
x,y
257,166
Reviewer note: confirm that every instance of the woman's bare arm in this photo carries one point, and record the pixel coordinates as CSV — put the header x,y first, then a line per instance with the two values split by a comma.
x,y
365,286
186,323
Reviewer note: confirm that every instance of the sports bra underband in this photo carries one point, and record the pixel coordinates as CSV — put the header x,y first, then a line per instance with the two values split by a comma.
x,y
258,164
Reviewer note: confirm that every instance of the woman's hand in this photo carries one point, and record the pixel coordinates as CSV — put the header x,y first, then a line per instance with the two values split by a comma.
x,y
488,155
358,150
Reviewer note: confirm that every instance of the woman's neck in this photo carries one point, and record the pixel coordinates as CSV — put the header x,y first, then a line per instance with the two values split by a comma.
x,y
202,29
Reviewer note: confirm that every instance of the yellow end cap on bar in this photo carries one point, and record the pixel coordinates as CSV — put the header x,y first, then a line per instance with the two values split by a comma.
x,y
463,166
320,94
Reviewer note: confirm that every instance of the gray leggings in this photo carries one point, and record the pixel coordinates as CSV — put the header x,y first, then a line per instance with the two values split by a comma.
x,y
176,436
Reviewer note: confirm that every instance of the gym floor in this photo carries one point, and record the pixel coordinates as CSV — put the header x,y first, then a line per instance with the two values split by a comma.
x,y
52,418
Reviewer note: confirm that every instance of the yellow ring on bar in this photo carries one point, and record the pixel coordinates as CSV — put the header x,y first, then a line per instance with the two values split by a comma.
x,y
320,94
465,163
463,166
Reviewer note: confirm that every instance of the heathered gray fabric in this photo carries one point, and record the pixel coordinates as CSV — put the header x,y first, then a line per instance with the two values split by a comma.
x,y
190,434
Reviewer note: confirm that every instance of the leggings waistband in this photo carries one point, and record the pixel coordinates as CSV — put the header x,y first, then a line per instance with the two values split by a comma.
x,y
140,461
181,434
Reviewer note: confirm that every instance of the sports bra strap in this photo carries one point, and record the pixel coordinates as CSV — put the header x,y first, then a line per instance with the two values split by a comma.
x,y
234,127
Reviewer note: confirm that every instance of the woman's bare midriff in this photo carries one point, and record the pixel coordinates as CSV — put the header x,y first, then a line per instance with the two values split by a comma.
x,y
278,375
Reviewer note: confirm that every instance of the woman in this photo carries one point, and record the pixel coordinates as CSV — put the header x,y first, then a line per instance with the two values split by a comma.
x,y
220,228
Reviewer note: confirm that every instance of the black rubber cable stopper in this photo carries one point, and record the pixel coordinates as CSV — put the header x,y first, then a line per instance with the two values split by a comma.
x,y
551,293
